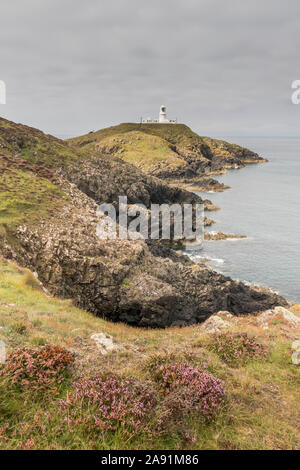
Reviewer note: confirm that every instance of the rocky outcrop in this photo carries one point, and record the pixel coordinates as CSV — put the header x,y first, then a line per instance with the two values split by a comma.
x,y
48,224
220,236
122,280
209,206
105,343
105,180
229,155
203,185
270,315
216,324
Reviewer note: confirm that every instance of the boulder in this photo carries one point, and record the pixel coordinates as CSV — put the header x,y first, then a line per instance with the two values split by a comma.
x,y
105,343
215,324
286,314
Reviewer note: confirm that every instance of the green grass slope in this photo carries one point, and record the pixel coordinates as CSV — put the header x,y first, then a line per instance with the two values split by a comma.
x,y
166,139
143,150
36,147
173,133
27,192
166,150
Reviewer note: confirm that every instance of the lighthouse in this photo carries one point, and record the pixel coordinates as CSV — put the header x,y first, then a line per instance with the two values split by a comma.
x,y
163,115
162,118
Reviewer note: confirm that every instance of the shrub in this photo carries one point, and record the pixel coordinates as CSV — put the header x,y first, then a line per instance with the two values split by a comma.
x,y
155,361
189,389
237,349
110,403
36,368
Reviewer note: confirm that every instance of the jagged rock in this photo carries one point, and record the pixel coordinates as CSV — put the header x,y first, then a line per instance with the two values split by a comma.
x,y
209,206
202,185
289,316
208,222
221,236
225,313
105,343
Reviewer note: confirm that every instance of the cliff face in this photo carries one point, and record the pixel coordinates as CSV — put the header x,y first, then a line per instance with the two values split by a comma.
x,y
49,225
166,150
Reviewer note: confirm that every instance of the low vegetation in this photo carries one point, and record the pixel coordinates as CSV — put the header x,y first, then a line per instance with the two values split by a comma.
x,y
36,147
141,149
24,195
169,151
57,391
237,349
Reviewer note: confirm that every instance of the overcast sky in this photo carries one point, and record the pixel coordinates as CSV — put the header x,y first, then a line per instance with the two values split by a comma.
x,y
224,67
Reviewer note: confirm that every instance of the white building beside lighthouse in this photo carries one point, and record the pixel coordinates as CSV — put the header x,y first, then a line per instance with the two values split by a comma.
x,y
162,118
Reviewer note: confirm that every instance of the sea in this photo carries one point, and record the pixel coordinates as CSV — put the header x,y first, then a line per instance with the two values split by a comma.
x,y
264,204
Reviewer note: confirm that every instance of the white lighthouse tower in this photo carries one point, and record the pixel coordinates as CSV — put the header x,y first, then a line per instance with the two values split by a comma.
x,y
163,115
162,118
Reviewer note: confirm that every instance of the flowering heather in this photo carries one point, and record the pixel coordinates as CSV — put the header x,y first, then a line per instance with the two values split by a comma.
x,y
237,349
109,403
37,368
189,389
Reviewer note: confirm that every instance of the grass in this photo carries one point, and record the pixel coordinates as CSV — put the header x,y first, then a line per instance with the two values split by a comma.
x,y
169,145
166,136
36,147
139,148
262,405
171,132
25,195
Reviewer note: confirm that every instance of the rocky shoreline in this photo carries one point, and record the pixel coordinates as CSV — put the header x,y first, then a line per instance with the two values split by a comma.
x,y
220,236
202,185
49,194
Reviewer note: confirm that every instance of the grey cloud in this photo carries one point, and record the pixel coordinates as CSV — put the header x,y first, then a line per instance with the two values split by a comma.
x,y
221,67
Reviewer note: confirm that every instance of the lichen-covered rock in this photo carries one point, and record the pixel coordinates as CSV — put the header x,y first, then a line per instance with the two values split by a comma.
x,y
105,343
286,314
215,324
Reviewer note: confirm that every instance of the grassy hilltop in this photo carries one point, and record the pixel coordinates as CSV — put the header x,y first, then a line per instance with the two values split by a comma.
x,y
166,150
